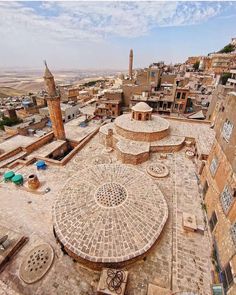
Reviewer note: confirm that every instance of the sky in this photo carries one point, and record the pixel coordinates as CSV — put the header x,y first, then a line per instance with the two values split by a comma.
x,y
99,35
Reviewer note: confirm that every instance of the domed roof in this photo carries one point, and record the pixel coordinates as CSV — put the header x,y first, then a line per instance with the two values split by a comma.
x,y
142,107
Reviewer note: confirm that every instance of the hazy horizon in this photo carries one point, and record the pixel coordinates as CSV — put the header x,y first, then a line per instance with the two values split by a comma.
x,y
99,35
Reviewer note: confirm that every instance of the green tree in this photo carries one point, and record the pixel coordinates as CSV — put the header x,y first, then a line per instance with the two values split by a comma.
x,y
8,122
227,49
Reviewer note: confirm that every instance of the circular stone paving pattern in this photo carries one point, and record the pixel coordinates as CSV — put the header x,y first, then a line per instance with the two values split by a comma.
x,y
109,213
36,263
158,170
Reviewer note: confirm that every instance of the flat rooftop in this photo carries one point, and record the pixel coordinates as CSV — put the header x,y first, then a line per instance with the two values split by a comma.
x,y
201,131
15,142
75,132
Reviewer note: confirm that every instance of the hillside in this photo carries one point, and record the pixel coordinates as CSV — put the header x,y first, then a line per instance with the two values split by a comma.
x,y
9,91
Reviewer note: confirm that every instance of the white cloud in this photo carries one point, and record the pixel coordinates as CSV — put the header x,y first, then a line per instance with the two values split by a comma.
x,y
96,21
83,33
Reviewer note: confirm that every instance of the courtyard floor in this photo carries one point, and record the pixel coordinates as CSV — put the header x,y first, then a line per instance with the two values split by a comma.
x,y
180,260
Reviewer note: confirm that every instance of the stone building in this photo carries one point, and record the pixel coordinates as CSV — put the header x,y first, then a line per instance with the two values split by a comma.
x,y
221,62
232,81
68,111
147,79
218,97
108,108
161,101
219,191
181,99
108,103
193,59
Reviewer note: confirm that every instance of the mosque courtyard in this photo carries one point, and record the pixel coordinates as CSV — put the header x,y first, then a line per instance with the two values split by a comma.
x,y
179,260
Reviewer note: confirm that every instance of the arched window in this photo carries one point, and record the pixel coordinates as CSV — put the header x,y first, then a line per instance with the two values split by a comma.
x,y
139,117
147,117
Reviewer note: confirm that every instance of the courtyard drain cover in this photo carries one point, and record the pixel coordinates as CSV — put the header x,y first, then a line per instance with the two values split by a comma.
x,y
36,263
157,170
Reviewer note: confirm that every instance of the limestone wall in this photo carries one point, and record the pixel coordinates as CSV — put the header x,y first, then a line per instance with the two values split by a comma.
x,y
142,136
167,148
216,182
132,159
39,143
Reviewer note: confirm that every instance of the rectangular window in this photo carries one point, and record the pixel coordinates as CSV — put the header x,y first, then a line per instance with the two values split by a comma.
x,y
176,106
226,198
169,105
233,233
160,104
227,277
183,95
214,165
153,74
205,188
180,106
178,95
227,130
213,221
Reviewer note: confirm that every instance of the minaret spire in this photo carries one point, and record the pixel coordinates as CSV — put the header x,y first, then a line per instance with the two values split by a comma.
x,y
49,80
53,102
131,64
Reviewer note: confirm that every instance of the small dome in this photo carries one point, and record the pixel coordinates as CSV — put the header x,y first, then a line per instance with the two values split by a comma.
x,y
142,107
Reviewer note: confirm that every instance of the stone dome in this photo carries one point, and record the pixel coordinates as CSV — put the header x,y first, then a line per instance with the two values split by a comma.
x,y
141,107
109,214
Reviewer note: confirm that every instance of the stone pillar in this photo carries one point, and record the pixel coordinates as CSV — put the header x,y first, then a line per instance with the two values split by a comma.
x,y
56,117
131,64
109,139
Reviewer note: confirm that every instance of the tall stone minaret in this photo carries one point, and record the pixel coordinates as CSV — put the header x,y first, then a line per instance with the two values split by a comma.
x,y
131,64
53,101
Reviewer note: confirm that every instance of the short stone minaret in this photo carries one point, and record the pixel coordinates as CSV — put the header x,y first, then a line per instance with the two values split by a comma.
x,y
53,101
131,64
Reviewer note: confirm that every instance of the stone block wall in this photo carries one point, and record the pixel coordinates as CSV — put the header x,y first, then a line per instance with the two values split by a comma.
x,y
132,159
39,143
142,136
12,153
212,199
167,148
